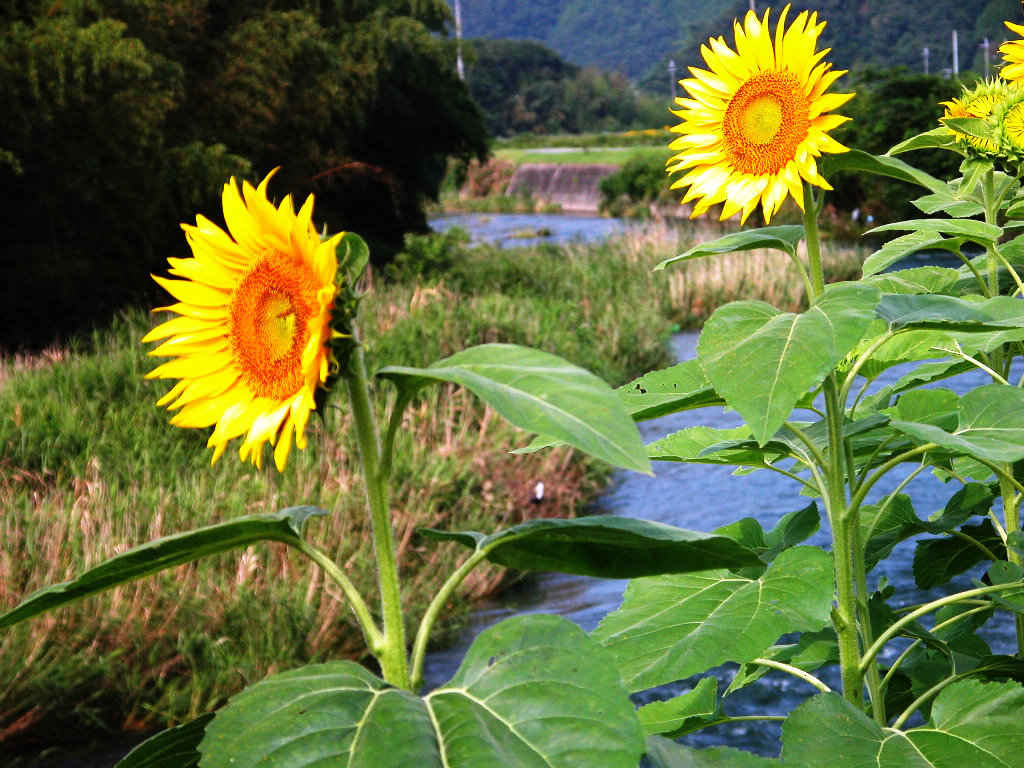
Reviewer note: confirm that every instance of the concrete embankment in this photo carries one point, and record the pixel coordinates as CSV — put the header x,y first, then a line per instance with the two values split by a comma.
x,y
574,186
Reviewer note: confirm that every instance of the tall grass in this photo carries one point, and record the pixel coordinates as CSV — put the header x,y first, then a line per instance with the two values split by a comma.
x,y
89,467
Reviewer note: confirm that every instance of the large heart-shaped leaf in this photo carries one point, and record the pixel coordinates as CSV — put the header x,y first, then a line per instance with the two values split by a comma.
x,y
671,627
662,753
679,388
541,393
608,546
948,313
533,691
782,238
990,425
916,280
176,747
886,525
972,723
763,361
164,553
900,247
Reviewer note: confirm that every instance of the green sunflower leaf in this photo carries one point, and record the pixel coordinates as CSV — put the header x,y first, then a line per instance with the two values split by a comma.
x,y
607,546
541,393
781,238
532,692
168,552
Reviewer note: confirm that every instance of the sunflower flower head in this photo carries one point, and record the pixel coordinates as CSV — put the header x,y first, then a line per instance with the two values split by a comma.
x,y
983,102
251,339
1013,55
755,121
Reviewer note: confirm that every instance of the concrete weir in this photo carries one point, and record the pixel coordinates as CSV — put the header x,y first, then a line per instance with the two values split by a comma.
x,y
574,186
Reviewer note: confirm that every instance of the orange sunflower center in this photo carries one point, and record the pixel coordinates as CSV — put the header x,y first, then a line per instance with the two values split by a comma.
x,y
765,122
269,312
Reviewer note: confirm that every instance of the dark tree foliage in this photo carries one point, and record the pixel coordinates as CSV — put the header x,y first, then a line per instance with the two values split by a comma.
x,y
123,118
890,106
524,87
638,37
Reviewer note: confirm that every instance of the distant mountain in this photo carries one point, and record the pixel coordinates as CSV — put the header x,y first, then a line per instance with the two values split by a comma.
x,y
638,37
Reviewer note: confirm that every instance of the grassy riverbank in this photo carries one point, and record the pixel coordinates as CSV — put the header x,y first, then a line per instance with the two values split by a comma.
x,y
89,467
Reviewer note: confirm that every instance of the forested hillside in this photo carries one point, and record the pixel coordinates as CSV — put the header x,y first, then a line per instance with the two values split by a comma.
x,y
637,37
122,118
525,87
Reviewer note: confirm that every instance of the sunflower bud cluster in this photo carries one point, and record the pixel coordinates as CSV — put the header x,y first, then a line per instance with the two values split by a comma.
x,y
987,120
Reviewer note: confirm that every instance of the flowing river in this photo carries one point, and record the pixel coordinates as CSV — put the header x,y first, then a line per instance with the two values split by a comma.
x,y
701,497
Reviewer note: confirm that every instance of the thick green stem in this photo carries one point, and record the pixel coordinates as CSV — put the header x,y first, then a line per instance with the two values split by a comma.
x,y
813,243
392,657
1011,516
872,676
844,615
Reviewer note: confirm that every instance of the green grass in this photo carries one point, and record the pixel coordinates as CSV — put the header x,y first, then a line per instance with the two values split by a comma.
x,y
90,467
597,156
649,137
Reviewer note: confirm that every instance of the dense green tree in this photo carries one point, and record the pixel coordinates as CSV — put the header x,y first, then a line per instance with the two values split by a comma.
x,y
524,87
124,117
638,37
890,106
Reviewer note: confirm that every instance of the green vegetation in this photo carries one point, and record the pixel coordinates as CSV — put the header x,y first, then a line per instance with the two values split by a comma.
x,y
597,156
637,38
891,106
125,117
523,87
90,467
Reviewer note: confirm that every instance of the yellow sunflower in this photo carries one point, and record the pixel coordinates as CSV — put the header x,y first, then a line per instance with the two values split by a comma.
x,y
254,321
755,120
1013,54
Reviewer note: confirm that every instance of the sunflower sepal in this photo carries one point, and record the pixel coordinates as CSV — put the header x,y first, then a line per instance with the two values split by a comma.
x,y
353,257
974,127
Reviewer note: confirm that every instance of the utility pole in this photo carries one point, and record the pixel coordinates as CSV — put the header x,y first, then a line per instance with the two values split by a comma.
x,y
956,56
672,77
985,45
458,42
925,52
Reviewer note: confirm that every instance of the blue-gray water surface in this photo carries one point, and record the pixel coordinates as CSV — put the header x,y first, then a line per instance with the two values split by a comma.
x,y
703,497
521,229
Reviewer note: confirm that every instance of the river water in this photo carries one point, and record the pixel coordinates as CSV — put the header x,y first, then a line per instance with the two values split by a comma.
x,y
703,497
509,230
